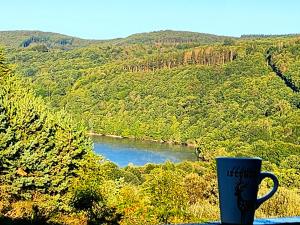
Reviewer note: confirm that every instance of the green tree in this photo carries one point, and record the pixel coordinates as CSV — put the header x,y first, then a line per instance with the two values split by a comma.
x,y
168,194
39,150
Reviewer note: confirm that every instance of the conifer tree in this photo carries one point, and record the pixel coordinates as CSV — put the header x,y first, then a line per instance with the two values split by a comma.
x,y
39,150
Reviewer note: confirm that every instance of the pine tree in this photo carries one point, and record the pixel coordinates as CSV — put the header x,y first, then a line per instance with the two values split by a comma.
x,y
39,150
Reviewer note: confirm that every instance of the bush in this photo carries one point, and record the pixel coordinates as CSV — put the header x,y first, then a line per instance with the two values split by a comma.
x,y
284,203
87,199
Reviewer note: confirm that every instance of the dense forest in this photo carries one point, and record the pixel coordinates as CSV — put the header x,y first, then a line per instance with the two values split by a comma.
x,y
222,95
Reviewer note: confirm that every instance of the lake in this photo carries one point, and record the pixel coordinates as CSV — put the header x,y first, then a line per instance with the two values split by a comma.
x,y
124,151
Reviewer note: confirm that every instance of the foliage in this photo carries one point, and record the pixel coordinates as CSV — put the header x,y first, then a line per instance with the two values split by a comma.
x,y
217,91
167,194
88,199
39,150
224,96
172,37
285,202
26,38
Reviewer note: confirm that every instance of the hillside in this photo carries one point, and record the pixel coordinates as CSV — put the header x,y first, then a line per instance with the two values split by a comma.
x,y
172,37
231,97
26,38
219,96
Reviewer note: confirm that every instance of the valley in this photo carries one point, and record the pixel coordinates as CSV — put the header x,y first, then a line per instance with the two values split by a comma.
x,y
224,96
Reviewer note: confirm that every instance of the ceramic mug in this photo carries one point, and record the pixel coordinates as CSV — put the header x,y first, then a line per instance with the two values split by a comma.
x,y
238,182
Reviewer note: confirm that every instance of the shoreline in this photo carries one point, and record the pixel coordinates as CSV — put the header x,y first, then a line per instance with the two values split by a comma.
x,y
104,135
133,138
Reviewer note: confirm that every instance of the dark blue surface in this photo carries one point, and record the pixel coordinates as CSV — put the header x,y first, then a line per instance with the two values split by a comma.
x,y
124,152
283,220
267,221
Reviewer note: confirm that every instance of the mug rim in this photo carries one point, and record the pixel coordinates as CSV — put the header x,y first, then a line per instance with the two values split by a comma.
x,y
239,158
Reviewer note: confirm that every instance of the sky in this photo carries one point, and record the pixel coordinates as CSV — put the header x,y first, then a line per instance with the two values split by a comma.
x,y
106,19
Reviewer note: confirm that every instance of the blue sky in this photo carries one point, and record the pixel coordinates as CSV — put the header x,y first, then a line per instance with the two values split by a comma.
x,y
105,19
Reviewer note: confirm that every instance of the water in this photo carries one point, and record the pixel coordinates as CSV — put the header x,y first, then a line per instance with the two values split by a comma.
x,y
123,151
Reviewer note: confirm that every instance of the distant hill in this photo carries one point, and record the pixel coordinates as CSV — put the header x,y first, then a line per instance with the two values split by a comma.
x,y
23,38
258,36
171,37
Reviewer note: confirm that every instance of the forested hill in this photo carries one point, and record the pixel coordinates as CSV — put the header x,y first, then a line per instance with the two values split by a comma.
x,y
218,93
172,37
24,39
29,38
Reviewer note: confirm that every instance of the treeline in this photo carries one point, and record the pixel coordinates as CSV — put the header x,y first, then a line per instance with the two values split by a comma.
x,y
23,39
170,37
44,39
201,56
267,35
180,39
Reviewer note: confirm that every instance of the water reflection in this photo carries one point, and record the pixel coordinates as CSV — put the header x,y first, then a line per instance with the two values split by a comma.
x,y
123,151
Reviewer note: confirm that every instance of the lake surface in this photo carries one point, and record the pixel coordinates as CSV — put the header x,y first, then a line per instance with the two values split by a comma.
x,y
124,151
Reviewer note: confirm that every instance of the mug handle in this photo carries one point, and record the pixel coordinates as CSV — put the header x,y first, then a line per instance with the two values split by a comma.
x,y
272,192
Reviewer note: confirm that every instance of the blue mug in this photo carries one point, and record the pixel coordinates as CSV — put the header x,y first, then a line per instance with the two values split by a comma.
x,y
238,182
